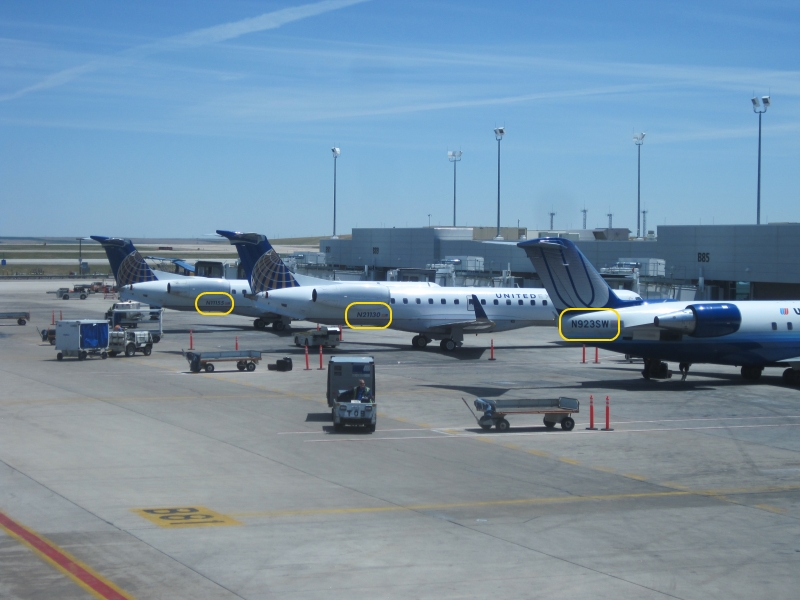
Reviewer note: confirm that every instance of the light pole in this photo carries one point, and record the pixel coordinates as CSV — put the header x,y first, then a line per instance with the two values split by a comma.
x,y
638,140
335,151
584,211
429,220
499,132
760,110
610,220
644,222
454,156
552,214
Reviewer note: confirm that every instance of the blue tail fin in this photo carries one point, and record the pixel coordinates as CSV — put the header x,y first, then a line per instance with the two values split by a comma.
x,y
126,262
569,277
263,266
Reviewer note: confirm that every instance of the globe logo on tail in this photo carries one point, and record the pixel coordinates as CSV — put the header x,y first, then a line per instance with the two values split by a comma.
x,y
269,273
133,269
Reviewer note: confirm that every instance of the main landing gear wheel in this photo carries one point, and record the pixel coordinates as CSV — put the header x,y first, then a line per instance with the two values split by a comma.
x,y
447,345
278,326
568,424
419,341
259,324
791,377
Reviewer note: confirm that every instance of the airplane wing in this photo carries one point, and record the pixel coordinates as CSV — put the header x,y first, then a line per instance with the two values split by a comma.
x,y
175,261
480,324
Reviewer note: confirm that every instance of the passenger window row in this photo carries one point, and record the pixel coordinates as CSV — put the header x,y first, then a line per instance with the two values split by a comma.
x,y
483,301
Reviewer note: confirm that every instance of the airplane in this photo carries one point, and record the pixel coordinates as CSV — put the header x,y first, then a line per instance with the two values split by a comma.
x,y
136,281
751,334
429,311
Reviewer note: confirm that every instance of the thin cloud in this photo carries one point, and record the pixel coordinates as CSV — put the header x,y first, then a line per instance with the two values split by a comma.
x,y
192,39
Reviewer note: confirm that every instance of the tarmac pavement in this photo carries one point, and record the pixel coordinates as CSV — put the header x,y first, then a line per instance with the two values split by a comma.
x,y
134,478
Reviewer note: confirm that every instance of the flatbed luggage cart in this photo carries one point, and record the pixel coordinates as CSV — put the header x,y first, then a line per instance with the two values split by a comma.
x,y
22,318
246,360
555,410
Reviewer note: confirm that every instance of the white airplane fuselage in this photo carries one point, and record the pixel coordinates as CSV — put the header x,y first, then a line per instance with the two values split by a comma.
x,y
436,312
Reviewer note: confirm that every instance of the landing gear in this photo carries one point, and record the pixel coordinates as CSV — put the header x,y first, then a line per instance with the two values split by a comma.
x,y
448,345
656,369
791,377
278,325
419,341
260,324
752,373
684,369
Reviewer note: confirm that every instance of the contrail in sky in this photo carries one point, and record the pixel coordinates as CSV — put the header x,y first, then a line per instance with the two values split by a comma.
x,y
199,37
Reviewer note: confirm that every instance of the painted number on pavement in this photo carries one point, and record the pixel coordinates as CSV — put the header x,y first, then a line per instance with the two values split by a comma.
x,y
185,516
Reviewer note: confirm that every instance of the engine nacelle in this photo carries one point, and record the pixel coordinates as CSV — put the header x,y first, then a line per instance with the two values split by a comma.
x,y
343,295
703,320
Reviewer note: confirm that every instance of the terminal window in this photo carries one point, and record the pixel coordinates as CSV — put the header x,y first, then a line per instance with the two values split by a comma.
x,y
376,250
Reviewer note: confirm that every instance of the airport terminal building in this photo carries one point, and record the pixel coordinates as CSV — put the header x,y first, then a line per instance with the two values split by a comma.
x,y
758,262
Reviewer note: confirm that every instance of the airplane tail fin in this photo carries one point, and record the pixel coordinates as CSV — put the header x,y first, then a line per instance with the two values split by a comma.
x,y
570,279
126,262
265,269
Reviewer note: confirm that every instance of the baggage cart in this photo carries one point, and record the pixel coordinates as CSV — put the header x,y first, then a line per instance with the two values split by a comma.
x,y
82,338
327,336
555,410
245,360
344,375
128,342
21,317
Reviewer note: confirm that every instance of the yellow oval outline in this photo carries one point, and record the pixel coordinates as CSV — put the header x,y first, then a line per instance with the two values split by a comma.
x,y
213,314
566,310
366,327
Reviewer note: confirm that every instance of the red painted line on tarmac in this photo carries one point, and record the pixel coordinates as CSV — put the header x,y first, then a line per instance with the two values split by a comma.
x,y
83,575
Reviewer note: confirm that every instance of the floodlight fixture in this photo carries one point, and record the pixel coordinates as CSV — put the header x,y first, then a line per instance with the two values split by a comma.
x,y
454,156
759,108
499,132
335,151
638,139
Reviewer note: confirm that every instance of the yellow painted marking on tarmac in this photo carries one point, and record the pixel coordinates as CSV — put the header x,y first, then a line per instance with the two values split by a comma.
x,y
569,461
539,453
671,484
185,516
423,425
78,571
634,476
605,469
773,509
716,494
512,446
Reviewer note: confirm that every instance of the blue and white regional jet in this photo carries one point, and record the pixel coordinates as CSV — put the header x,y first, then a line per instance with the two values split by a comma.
x,y
749,334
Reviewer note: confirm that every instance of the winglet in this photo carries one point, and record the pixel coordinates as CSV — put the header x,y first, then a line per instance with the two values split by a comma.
x,y
265,269
480,314
126,262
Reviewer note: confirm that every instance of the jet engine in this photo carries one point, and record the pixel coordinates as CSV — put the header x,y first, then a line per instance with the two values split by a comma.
x,y
702,320
343,295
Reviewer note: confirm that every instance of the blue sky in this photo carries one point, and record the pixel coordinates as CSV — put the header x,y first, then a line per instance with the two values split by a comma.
x,y
173,119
